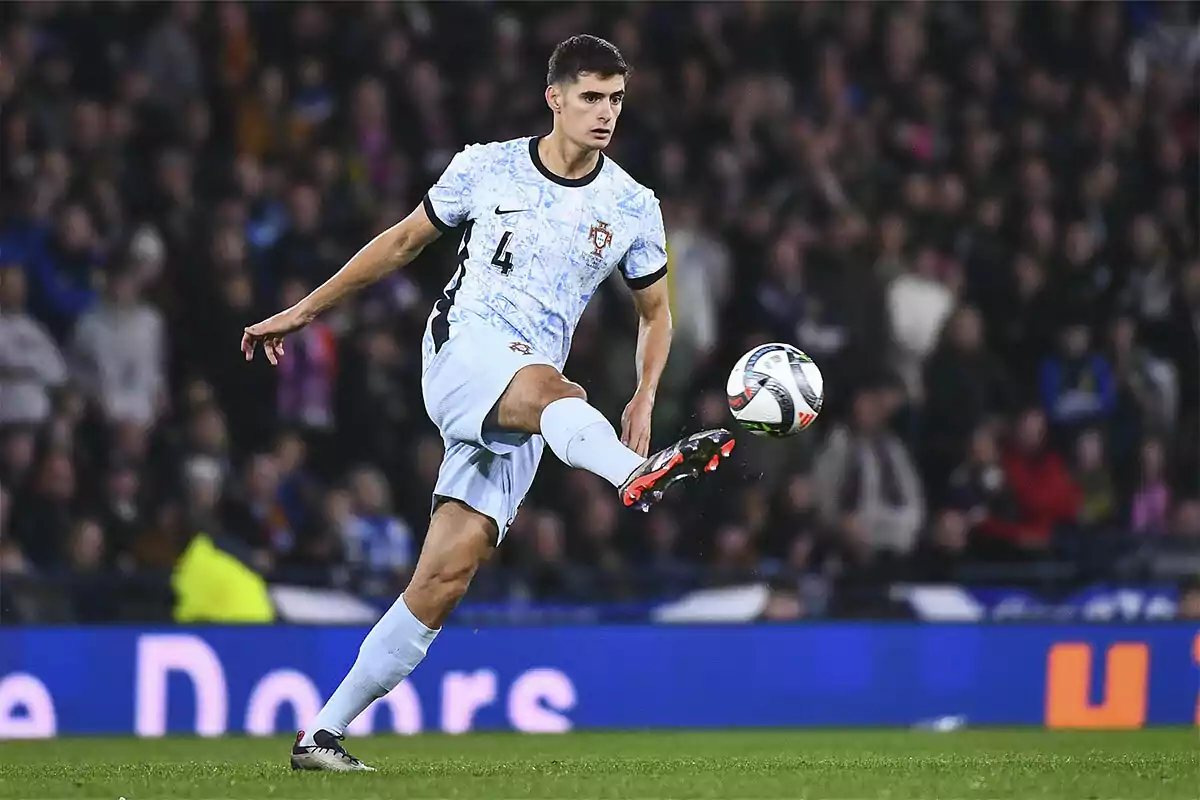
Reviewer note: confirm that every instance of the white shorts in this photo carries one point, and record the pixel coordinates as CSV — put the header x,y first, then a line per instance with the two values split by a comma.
x,y
490,471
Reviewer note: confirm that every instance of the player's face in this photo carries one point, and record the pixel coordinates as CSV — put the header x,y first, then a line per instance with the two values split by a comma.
x,y
587,108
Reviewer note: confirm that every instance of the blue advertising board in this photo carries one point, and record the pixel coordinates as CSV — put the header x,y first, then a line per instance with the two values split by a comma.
x,y
211,681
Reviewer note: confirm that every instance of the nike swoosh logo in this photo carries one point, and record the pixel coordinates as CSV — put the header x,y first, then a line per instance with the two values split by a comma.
x,y
510,211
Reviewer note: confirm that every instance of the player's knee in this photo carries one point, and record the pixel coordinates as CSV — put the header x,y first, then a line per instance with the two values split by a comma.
x,y
557,387
571,389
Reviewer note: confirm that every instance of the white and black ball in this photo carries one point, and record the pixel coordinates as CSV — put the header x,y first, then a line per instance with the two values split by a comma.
x,y
775,390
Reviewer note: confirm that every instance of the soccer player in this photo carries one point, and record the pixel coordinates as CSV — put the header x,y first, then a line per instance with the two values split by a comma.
x,y
544,221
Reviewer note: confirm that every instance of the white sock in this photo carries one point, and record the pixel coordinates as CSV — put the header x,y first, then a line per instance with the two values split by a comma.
x,y
582,438
391,650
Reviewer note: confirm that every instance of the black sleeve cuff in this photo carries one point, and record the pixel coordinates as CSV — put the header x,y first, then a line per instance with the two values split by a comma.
x,y
433,217
646,281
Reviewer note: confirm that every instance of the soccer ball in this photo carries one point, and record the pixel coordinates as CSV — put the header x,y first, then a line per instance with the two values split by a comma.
x,y
775,390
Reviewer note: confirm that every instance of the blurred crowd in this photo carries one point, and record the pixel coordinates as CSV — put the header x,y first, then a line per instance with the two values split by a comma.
x,y
980,219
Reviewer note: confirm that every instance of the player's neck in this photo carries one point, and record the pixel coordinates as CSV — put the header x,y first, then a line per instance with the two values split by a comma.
x,y
565,158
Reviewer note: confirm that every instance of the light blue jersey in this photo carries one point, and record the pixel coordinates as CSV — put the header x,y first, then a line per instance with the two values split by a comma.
x,y
535,246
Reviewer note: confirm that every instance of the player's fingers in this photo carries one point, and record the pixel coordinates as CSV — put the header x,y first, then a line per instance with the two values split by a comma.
x,y
247,345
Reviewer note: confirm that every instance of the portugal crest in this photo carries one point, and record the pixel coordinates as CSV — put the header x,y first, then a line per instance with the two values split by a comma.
x,y
601,238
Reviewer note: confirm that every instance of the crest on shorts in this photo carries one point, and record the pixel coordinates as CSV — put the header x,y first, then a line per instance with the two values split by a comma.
x,y
601,238
520,347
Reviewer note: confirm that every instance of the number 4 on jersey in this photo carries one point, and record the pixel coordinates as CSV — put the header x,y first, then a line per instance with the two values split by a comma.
x,y
503,258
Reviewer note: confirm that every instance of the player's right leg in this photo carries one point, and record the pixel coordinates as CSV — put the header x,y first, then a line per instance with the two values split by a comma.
x,y
459,540
540,400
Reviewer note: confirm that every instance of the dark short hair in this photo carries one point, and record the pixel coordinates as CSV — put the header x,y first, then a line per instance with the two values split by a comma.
x,y
585,53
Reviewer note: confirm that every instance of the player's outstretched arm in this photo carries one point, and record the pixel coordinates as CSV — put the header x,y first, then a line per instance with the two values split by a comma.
x,y
653,346
388,251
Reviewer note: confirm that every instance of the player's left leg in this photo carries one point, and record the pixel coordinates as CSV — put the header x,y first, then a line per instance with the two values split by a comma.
x,y
458,541
477,496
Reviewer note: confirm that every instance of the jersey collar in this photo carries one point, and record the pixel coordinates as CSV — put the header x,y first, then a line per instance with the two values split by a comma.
x,y
560,180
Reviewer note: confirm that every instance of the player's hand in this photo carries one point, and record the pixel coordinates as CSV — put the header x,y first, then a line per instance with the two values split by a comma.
x,y
635,423
270,333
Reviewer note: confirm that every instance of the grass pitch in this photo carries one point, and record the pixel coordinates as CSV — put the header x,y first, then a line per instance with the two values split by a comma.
x,y
889,765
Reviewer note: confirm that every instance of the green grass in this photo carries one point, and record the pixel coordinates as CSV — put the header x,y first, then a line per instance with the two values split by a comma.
x,y
894,765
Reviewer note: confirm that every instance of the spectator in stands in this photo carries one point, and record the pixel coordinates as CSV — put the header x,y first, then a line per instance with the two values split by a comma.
x,y
118,353
793,518
20,448
380,543
979,489
305,251
1150,382
1077,385
86,555
306,377
42,521
964,387
299,492
735,558
1147,397
919,303
1152,500
667,572
865,472
699,290
254,514
31,365
547,572
1185,522
1178,338
1021,320
942,552
1093,476
208,436
595,543
203,490
1046,495
1189,600
63,268
12,560
121,514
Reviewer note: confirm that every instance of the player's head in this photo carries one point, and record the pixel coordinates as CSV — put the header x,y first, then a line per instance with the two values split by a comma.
x,y
585,89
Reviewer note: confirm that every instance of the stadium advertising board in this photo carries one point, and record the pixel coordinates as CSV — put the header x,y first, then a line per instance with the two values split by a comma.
x,y
212,681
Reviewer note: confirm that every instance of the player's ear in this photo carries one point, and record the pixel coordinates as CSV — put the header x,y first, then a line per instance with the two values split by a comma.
x,y
553,98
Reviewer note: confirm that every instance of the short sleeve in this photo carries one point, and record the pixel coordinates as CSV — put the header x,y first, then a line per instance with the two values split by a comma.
x,y
646,261
448,202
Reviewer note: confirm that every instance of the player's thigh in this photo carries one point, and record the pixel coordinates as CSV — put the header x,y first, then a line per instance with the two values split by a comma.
x,y
464,383
527,395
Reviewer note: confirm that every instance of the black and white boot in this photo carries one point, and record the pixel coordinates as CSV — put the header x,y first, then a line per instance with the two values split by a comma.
x,y
325,752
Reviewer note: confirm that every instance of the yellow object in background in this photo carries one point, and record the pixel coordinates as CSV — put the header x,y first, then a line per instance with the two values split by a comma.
x,y
214,586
